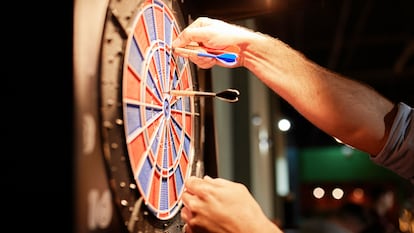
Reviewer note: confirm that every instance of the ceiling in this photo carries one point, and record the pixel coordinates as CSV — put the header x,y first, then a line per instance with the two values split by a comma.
x,y
371,41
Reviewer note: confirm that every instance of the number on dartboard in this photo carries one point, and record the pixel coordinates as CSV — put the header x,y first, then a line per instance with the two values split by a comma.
x,y
99,209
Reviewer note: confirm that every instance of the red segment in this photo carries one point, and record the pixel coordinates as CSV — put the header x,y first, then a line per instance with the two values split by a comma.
x,y
184,80
137,149
151,129
133,84
154,195
172,192
178,116
176,139
163,215
159,21
160,153
141,35
188,125
175,33
162,61
150,97
184,163
154,72
170,153
173,67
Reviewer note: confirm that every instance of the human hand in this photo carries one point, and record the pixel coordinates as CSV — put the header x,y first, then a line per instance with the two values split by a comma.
x,y
213,34
222,206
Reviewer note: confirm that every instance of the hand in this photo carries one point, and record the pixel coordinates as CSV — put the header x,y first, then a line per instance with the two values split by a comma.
x,y
218,205
214,34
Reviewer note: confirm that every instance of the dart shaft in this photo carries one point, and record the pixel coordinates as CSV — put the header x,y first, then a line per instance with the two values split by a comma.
x,y
191,93
187,51
210,50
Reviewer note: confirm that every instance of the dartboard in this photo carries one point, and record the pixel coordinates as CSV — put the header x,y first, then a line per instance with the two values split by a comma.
x,y
158,127
135,143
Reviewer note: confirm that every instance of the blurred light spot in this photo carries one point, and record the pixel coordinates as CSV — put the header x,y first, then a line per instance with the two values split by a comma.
x,y
358,193
282,176
284,125
337,193
256,120
318,192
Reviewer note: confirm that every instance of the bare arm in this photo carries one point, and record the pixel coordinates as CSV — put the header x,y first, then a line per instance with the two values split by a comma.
x,y
344,108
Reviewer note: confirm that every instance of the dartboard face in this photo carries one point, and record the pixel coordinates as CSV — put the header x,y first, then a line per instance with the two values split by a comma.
x,y
158,127
135,144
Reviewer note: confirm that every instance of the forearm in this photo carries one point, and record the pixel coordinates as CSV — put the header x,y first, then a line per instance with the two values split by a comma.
x,y
323,97
266,227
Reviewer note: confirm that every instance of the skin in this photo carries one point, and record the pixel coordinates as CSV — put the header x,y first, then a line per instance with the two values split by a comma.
x,y
344,108
219,205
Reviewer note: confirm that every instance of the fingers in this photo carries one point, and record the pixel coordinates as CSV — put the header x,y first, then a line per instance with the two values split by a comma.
x,y
205,31
199,186
211,33
186,214
203,62
190,213
187,229
193,185
205,187
192,32
216,181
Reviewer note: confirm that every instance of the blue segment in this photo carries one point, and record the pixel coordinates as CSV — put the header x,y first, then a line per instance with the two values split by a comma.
x,y
159,67
151,84
151,112
179,180
175,80
174,148
167,69
149,18
135,59
180,63
177,105
164,194
187,103
144,175
134,118
156,142
187,144
165,151
168,30
158,3
186,138
177,126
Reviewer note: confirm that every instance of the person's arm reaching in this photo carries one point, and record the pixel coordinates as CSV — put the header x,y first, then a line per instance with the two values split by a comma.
x,y
343,108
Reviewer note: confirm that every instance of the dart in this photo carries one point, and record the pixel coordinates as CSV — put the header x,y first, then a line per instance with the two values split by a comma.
x,y
228,95
224,56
